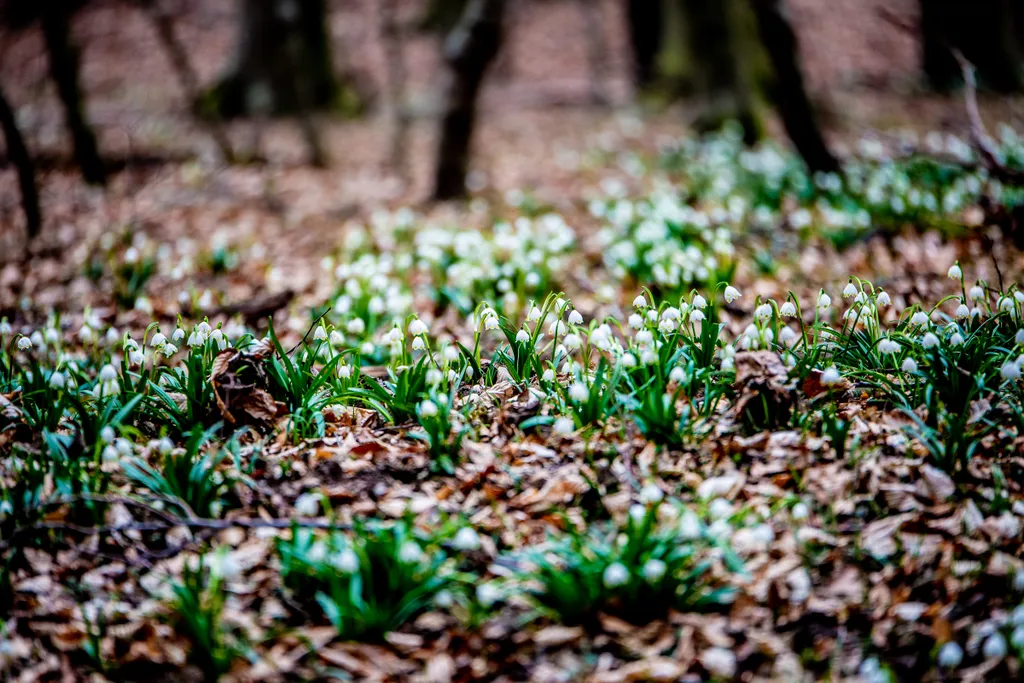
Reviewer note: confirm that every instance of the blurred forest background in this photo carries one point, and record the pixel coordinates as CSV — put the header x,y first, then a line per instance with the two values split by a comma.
x,y
343,105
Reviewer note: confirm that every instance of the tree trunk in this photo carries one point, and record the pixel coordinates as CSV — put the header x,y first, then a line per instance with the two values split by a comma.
x,y
596,49
393,37
789,94
645,37
18,154
283,61
718,73
63,54
985,31
469,49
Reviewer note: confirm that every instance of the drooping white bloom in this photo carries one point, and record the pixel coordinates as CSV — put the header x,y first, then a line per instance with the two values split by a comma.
x,y
158,340
24,343
640,301
962,312
719,661
1010,371
886,345
787,335
355,326
616,574
719,508
976,293
564,426
178,335
320,333
929,340
800,511
575,318
522,336
994,647
677,375
410,553
956,340
487,594
572,341
909,365
954,272
650,494
883,299
579,392
696,316
830,377
653,570
824,301
57,380
699,302
428,408
788,309
636,321
108,373
950,655
417,327
466,540
919,318
549,375
763,312
346,561
731,294
308,504
849,290
628,360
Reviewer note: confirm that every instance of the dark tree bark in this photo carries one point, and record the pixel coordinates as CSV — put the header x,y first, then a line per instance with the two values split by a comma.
x,y
64,60
282,64
645,37
393,37
718,66
789,94
596,49
18,154
985,31
469,49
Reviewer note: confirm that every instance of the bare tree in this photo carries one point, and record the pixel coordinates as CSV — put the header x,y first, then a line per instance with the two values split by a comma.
x,y
469,49
790,96
18,154
55,17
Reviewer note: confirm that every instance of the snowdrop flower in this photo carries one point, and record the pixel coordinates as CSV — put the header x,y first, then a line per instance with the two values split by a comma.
x,y
410,553
950,655
110,453
534,315
108,373
549,375
418,344
640,301
800,511
886,345
696,316
909,365
522,336
976,293
308,504
355,326
994,647
787,310
572,341
320,333
168,350
107,434
635,321
564,426
956,340
849,290
700,302
651,494
579,392
417,327
158,340
787,335
575,318
57,380
763,312
677,375
24,344
1006,304
954,272
929,340
336,338
347,561
428,408
648,357
615,575
628,360
830,377
466,540
178,335
165,445
919,318
719,508
1010,371
137,358
444,599
720,662
654,570
824,301
487,594
962,311
731,294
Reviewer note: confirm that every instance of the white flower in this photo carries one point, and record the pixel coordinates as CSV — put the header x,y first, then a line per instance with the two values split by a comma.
x,y
909,365
615,575
976,293
418,344
886,345
640,301
719,661
24,344
564,426
644,337
347,561
719,508
849,290
731,294
534,314
954,272
417,327
696,315
522,336
224,565
651,494
671,313
178,335
108,373
466,540
487,594
434,377
444,599
800,511
168,350
950,655
956,340
410,553
575,318
57,380
699,302
579,392
763,312
677,375
336,338
1010,371
994,647
787,335
1017,638
549,375
308,504
883,299
355,326
572,341
158,340
824,301
628,360
830,377
919,318
165,445
929,340
653,570
428,408
962,311
320,333
788,309
636,321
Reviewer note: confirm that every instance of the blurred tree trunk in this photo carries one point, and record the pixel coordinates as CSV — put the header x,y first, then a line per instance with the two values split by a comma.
x,y
63,56
393,35
282,64
18,154
718,57
645,37
790,96
593,27
469,48
985,31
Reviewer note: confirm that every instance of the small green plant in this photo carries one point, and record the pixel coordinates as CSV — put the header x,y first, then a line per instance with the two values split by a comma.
x,y
442,435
